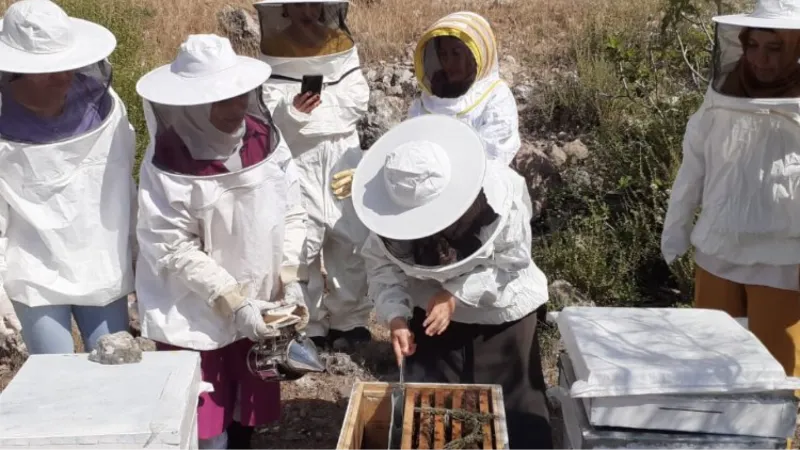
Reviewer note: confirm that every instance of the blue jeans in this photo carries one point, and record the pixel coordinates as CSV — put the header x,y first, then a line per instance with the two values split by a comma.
x,y
48,329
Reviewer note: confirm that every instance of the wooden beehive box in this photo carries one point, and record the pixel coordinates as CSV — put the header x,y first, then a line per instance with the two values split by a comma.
x,y
435,415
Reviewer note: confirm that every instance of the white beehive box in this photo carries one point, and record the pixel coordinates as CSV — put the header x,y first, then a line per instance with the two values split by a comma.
x,y
576,432
765,414
679,369
648,351
69,401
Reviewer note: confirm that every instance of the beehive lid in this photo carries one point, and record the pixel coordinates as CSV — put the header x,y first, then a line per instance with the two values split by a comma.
x,y
638,351
67,400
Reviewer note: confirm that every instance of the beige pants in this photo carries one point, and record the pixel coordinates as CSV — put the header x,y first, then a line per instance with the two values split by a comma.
x,y
773,315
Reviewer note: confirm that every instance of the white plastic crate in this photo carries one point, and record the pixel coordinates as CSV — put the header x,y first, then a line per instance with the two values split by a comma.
x,y
69,401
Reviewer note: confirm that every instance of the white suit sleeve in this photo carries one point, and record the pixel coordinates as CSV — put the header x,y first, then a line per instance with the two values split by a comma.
x,y
295,231
686,195
499,125
342,106
386,283
416,108
170,241
512,253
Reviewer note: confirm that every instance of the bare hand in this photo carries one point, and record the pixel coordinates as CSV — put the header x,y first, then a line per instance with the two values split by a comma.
x,y
439,312
402,339
307,102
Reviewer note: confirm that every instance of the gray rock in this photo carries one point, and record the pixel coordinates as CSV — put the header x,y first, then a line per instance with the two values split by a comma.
x,y
557,155
539,171
405,76
383,113
576,150
580,177
523,93
13,352
509,68
134,324
241,28
146,344
395,91
563,294
342,364
117,348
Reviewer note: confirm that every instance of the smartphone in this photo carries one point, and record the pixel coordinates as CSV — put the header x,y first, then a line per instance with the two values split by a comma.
x,y
312,84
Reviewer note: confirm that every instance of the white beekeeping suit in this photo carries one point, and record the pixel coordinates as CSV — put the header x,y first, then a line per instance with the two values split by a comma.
x,y
456,65
739,159
311,38
449,265
741,167
220,216
67,195
428,175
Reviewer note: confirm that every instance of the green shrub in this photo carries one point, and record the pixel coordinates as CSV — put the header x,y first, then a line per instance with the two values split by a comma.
x,y
634,92
126,19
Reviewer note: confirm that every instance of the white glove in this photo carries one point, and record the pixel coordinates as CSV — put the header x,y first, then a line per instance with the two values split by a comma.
x,y
9,323
246,315
295,293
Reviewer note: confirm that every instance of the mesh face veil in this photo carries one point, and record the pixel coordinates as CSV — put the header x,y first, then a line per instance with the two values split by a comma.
x,y
49,108
457,51
756,62
204,139
303,29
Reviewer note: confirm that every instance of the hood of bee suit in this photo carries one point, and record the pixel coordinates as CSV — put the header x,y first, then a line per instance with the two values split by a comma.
x,y
471,29
204,141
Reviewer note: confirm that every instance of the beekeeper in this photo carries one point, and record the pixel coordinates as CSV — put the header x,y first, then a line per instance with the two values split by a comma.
x,y
302,39
220,229
67,197
456,66
741,166
449,265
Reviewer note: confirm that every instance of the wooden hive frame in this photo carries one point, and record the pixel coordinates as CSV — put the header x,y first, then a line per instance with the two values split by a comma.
x,y
436,416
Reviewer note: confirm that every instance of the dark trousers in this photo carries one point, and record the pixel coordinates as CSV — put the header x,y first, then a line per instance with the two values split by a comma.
x,y
505,354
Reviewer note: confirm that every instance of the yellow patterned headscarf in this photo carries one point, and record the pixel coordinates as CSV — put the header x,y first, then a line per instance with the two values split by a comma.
x,y
471,29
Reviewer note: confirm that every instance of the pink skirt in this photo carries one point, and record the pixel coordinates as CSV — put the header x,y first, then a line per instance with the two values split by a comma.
x,y
226,369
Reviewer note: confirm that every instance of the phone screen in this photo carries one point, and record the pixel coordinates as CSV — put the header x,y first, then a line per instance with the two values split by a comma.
x,y
312,84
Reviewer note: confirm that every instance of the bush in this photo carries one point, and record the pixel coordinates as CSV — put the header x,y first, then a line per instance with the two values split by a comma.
x,y
126,19
634,92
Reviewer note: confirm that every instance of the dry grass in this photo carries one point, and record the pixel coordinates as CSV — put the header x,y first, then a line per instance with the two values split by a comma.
x,y
538,32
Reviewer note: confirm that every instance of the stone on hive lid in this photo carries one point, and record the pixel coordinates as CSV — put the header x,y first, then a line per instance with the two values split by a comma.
x,y
117,348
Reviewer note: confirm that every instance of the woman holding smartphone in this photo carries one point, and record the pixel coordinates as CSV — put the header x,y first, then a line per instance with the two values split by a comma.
x,y
303,41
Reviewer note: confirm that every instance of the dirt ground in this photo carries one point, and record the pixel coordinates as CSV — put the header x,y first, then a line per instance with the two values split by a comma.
x,y
314,406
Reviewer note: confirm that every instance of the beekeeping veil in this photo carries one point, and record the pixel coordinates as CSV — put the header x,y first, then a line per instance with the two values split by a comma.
x,y
298,29
480,56
732,75
37,38
179,99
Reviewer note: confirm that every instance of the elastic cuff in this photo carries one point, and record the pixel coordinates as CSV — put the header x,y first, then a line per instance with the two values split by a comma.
x,y
297,115
407,316
227,300
294,273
